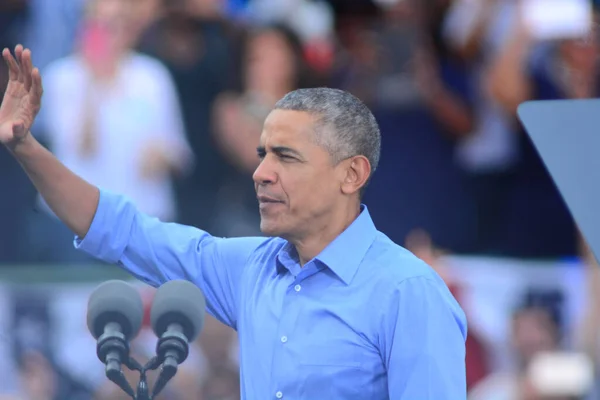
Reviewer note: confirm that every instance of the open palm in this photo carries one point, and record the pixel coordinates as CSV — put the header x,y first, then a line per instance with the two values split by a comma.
x,y
23,96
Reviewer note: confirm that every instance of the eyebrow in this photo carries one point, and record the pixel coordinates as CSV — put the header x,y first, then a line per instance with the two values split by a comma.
x,y
279,150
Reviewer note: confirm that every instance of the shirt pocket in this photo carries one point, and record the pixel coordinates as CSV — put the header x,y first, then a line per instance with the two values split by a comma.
x,y
333,371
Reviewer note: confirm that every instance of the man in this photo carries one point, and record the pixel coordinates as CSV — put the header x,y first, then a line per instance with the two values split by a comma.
x,y
326,307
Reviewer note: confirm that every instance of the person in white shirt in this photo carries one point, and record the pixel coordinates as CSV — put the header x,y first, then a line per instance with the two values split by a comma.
x,y
112,115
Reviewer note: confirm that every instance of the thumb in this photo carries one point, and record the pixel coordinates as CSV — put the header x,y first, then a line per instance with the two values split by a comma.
x,y
19,129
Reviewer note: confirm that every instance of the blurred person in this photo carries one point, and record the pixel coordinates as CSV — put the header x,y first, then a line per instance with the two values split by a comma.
x,y
272,67
298,297
40,377
357,61
217,342
477,31
200,48
535,221
113,116
588,334
423,102
221,384
312,21
51,28
535,329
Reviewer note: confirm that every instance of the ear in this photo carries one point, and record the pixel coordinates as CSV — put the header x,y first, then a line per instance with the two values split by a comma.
x,y
356,173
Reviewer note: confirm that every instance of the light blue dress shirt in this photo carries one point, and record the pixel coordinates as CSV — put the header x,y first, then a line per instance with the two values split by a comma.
x,y
364,320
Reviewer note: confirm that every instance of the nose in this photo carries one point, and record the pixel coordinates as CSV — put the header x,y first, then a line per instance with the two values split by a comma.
x,y
265,172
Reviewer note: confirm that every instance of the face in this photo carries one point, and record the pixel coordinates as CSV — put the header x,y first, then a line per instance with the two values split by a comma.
x,y
533,332
122,19
297,185
270,61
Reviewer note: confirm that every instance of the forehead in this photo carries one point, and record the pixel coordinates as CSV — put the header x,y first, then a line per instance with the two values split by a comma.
x,y
288,128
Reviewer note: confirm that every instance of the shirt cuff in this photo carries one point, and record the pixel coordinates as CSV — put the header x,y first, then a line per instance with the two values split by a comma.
x,y
109,232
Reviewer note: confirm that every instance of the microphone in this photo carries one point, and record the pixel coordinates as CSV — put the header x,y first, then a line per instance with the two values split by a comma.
x,y
114,317
177,317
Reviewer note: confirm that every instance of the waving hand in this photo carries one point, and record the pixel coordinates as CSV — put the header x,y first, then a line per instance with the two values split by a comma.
x,y
23,96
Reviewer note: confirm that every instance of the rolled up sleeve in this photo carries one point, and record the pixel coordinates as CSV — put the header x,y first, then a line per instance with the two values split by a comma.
x,y
110,229
156,252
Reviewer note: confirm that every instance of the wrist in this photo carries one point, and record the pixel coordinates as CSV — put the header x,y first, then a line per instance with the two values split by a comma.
x,y
23,146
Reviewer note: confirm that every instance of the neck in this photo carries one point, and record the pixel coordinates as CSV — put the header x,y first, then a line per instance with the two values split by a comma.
x,y
324,232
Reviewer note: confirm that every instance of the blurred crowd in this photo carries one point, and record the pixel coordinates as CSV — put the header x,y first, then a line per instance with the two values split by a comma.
x,y
163,101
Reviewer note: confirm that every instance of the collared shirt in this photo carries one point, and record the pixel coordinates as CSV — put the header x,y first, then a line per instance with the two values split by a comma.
x,y
365,319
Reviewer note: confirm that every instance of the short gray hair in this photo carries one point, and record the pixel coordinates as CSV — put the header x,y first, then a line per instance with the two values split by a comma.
x,y
353,128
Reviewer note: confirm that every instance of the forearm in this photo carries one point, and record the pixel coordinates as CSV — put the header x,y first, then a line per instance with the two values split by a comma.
x,y
71,198
451,112
508,81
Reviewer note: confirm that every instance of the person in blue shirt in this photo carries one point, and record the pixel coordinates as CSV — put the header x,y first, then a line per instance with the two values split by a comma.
x,y
325,306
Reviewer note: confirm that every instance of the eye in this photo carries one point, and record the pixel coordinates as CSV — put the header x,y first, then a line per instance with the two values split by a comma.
x,y
261,154
287,158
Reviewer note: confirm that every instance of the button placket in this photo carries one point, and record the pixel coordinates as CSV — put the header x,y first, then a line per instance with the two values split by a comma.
x,y
281,361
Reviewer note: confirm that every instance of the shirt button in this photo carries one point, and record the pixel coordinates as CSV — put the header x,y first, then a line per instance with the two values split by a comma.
x,y
297,288
279,395
283,339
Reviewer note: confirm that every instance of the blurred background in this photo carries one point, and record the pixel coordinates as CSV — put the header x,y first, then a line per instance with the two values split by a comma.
x,y
163,100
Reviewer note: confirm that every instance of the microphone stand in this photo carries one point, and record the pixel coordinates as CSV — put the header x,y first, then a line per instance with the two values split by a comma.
x,y
172,349
115,374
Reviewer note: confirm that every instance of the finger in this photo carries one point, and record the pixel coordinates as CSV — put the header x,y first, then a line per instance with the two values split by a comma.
x,y
26,67
13,67
36,87
18,56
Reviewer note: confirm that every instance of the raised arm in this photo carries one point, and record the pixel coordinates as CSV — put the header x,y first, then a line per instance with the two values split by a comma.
x,y
508,80
71,198
110,227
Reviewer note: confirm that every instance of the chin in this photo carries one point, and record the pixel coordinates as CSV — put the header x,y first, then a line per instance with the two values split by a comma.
x,y
270,228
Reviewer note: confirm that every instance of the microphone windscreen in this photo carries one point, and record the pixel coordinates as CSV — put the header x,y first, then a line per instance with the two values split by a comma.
x,y
178,302
115,301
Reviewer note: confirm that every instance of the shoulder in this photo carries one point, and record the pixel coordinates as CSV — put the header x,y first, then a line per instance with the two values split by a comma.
x,y
147,62
149,69
393,263
401,278
62,68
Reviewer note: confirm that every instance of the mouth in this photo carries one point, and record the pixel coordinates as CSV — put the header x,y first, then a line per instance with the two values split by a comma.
x,y
266,201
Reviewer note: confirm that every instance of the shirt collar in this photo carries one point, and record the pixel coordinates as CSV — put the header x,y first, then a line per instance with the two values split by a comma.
x,y
345,253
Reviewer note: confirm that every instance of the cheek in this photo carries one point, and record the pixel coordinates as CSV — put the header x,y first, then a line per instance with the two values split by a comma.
x,y
309,191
